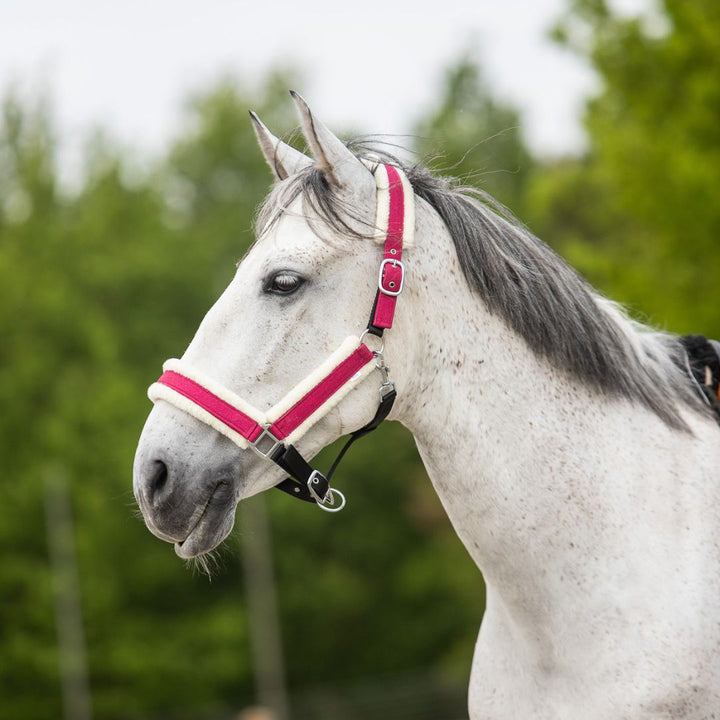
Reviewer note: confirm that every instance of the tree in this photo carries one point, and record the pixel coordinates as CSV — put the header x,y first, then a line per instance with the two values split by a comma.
x,y
88,301
476,138
647,189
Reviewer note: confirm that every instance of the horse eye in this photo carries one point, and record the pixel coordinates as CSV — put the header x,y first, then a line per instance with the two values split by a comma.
x,y
283,283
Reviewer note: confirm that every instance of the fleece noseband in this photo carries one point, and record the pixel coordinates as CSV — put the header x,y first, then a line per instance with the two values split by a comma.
x,y
272,434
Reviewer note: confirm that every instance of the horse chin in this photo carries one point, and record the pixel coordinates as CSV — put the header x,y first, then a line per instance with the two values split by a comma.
x,y
202,540
211,529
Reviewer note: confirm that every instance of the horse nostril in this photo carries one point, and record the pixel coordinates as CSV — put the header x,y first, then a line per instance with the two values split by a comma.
x,y
156,478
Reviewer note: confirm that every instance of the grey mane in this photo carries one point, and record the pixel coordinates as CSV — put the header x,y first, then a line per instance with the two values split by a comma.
x,y
523,281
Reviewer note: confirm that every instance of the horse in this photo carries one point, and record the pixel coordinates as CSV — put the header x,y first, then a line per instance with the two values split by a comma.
x,y
575,450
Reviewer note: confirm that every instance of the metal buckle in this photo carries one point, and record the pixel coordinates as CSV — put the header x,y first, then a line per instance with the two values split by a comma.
x,y
271,443
394,263
327,502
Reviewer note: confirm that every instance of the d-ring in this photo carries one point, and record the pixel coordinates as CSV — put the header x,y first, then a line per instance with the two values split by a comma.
x,y
328,502
382,342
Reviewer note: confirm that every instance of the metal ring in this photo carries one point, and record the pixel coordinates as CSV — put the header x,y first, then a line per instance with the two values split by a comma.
x,y
330,500
382,342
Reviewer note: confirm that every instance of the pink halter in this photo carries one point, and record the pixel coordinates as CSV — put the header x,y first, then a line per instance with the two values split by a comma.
x,y
272,434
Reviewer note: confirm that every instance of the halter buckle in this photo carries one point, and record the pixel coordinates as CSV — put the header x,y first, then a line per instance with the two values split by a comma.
x,y
391,290
265,444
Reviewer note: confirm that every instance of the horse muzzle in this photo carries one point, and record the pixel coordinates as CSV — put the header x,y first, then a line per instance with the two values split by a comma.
x,y
187,495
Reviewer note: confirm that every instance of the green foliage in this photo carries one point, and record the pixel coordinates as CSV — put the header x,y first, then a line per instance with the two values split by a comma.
x,y
381,574
646,195
86,284
476,138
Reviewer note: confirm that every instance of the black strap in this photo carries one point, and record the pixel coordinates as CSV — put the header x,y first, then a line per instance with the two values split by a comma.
x,y
300,471
383,411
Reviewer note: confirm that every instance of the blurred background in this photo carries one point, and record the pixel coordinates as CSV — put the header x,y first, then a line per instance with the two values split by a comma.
x,y
129,175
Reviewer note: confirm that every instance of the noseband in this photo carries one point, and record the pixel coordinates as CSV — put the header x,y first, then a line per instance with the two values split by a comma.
x,y
273,434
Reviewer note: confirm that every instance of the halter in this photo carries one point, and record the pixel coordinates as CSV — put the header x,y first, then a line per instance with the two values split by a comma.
x,y
272,434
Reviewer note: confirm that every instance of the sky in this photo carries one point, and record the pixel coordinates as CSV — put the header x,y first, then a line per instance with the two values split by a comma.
x,y
374,66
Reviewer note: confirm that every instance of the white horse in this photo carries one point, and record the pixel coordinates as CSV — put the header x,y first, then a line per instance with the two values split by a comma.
x,y
579,463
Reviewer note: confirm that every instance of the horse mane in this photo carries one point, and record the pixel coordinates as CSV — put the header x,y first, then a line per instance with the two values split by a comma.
x,y
567,322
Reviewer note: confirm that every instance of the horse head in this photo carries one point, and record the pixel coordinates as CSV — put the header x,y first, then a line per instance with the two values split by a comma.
x,y
301,295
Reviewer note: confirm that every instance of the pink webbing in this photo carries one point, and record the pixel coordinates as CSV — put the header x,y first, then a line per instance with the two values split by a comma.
x,y
217,407
321,393
392,275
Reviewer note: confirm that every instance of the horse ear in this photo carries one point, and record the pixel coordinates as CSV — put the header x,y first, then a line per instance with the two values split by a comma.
x,y
341,168
283,159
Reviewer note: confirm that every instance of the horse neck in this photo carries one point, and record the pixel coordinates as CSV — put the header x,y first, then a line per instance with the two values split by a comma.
x,y
528,463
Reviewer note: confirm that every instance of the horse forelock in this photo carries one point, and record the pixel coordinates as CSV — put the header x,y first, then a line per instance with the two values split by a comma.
x,y
321,206
521,280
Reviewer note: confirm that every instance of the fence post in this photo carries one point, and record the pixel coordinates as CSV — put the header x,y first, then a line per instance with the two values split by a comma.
x,y
261,597
74,681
